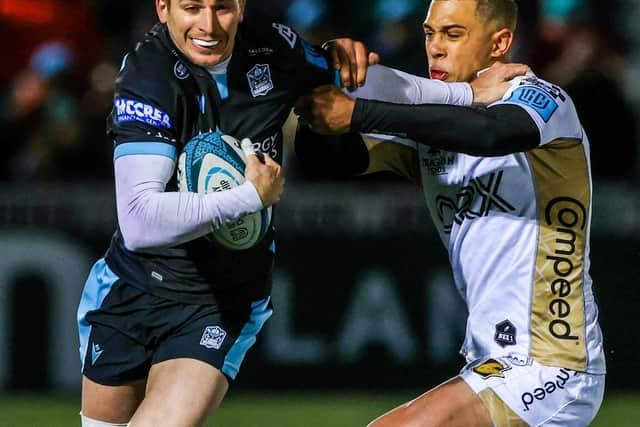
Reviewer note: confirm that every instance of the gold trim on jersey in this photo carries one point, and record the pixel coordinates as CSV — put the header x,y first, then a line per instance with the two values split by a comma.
x,y
397,158
501,414
562,183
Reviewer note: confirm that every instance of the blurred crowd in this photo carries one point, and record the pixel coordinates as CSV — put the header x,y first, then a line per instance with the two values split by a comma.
x,y
56,86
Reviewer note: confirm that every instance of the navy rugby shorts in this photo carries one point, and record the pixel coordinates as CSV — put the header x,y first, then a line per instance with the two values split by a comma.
x,y
124,330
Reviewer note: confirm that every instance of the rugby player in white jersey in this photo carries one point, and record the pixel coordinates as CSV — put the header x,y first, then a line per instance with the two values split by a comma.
x,y
509,190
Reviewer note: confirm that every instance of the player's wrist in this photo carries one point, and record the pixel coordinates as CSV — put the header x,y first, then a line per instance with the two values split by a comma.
x,y
461,93
255,200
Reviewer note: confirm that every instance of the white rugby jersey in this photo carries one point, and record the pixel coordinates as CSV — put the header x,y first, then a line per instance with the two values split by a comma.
x,y
517,231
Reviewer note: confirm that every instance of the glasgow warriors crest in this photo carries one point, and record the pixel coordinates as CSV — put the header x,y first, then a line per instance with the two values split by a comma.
x,y
260,81
213,337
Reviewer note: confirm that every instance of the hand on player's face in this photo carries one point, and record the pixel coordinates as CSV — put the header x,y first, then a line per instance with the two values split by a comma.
x,y
352,58
326,109
264,173
492,84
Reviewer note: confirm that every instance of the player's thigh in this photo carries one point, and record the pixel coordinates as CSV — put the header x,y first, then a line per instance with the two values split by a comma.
x,y
114,364
111,404
192,367
452,404
518,391
180,393
584,408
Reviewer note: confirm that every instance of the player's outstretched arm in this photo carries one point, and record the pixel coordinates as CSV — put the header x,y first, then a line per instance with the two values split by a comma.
x,y
494,131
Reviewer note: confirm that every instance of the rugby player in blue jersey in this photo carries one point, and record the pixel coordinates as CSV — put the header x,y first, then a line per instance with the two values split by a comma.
x,y
166,317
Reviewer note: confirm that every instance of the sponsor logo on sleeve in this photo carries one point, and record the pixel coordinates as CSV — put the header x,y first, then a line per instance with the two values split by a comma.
x,y
539,100
491,368
130,110
213,337
287,33
259,78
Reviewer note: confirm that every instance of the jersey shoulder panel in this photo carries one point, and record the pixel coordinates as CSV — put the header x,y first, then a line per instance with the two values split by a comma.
x,y
257,31
549,105
306,63
148,86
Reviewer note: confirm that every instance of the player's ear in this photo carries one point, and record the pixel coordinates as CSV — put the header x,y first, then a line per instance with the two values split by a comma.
x,y
501,43
241,5
162,9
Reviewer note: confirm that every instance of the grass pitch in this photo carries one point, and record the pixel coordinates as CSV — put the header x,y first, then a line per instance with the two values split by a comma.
x,y
273,409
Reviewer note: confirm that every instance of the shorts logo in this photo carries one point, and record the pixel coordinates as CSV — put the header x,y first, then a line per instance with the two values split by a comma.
x,y
491,368
213,337
549,387
259,78
129,110
536,98
180,71
96,352
505,334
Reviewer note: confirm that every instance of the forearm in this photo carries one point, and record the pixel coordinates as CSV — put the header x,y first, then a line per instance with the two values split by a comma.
x,y
388,84
149,217
494,131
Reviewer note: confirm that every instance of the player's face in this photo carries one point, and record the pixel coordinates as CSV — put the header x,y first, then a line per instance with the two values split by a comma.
x,y
458,42
204,30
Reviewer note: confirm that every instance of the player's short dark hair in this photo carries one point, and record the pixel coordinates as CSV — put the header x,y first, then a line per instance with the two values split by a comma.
x,y
504,13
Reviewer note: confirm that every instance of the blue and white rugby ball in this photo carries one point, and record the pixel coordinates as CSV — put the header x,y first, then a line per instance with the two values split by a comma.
x,y
213,162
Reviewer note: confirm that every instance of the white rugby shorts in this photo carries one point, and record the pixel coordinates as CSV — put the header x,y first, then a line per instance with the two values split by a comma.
x,y
519,391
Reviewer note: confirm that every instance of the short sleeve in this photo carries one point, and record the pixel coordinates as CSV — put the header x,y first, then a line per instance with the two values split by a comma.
x,y
550,107
145,104
311,63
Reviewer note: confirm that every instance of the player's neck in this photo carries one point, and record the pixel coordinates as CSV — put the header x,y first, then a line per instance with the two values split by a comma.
x,y
220,68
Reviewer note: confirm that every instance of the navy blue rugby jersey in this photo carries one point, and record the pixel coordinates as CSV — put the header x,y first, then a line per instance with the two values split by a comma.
x,y
162,100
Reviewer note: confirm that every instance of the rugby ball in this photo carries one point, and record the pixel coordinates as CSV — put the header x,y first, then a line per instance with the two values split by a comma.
x,y
213,162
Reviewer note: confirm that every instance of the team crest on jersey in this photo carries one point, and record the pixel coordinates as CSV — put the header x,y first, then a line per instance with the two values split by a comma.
x,y
213,337
505,334
259,78
491,368
180,71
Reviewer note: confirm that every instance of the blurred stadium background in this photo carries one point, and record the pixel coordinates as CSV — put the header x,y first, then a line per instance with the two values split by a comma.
x,y
367,315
